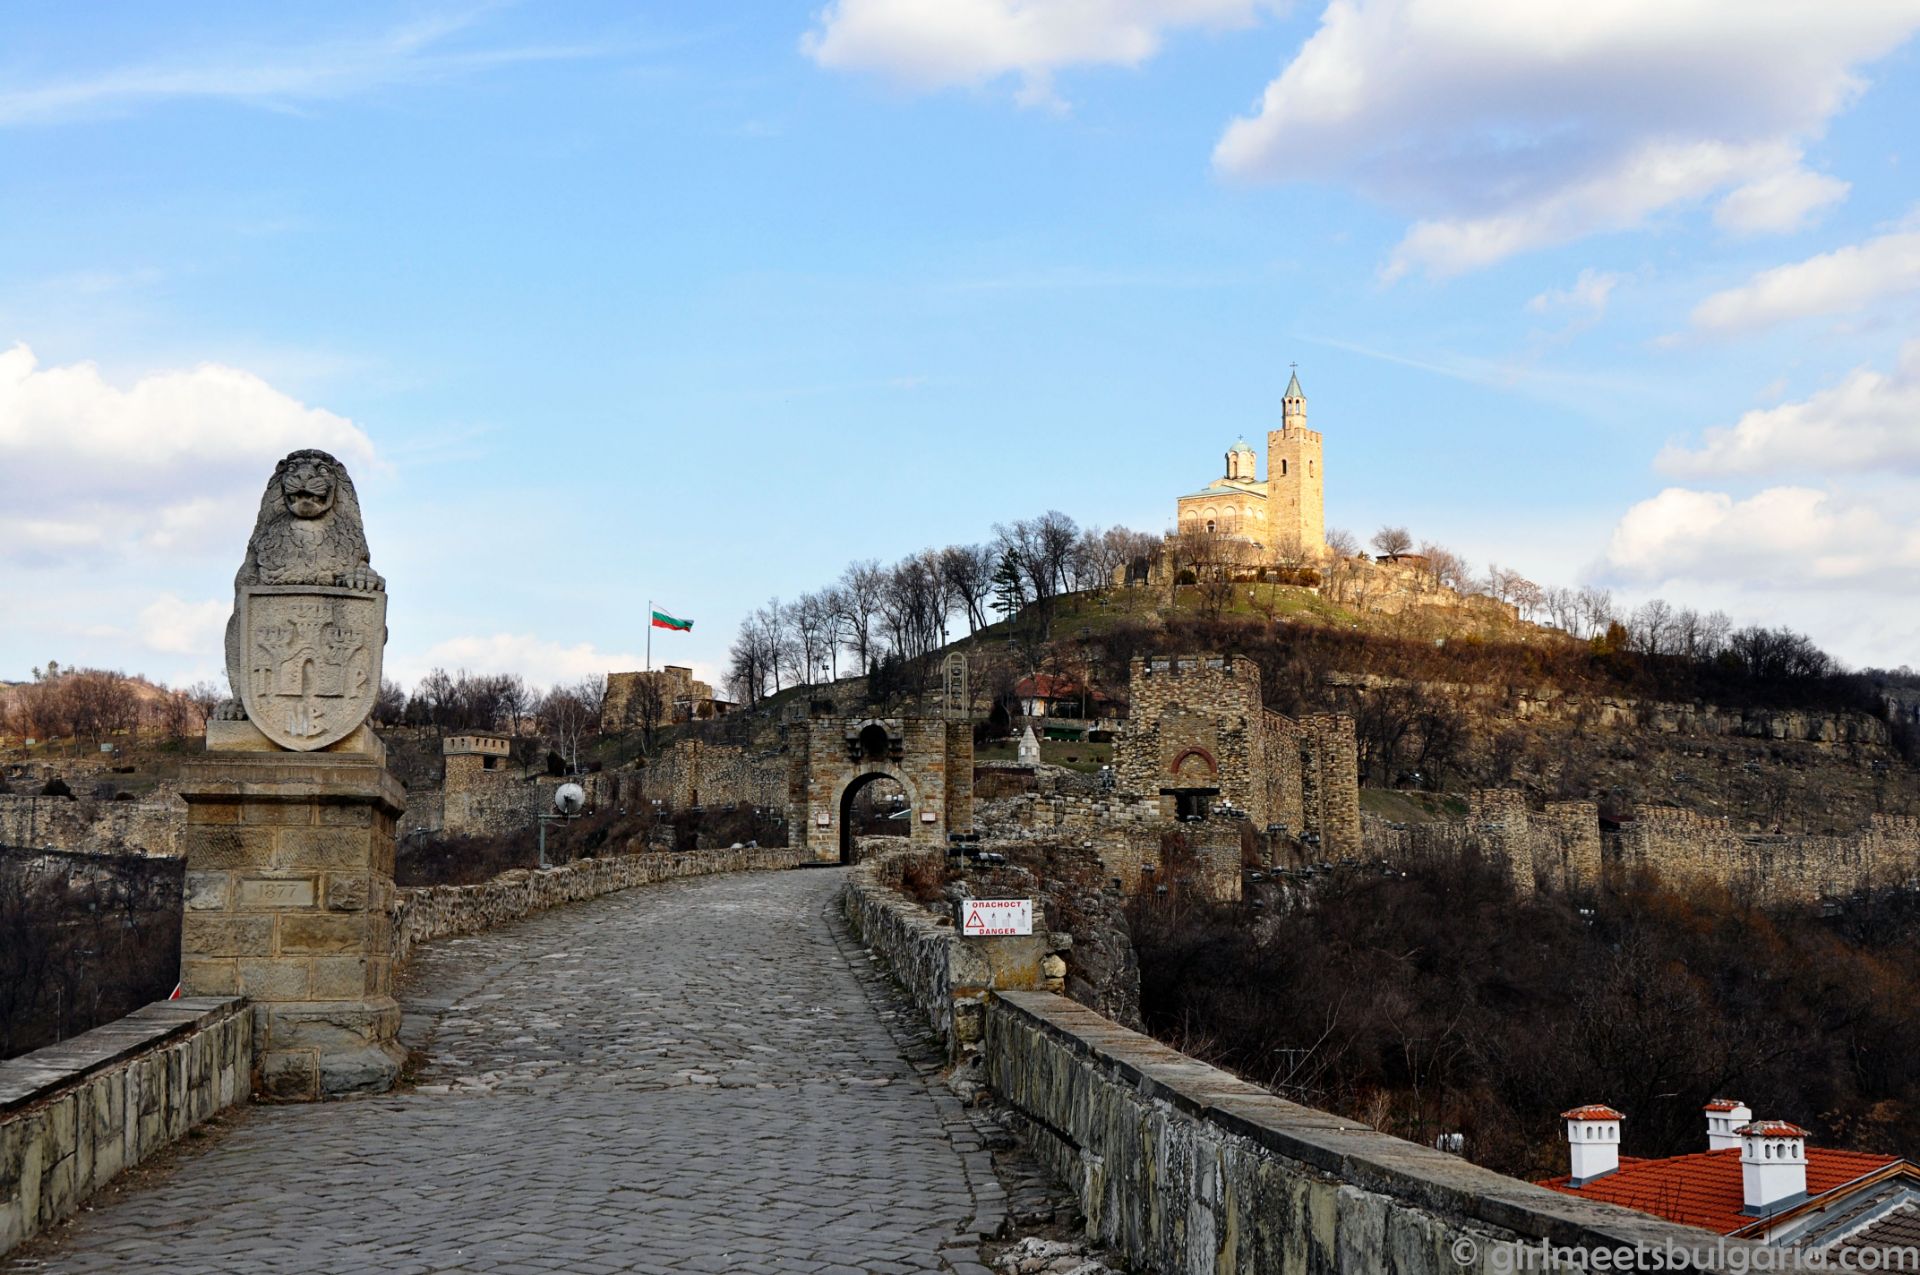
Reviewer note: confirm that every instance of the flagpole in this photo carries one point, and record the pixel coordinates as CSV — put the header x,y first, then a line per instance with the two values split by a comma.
x,y
649,635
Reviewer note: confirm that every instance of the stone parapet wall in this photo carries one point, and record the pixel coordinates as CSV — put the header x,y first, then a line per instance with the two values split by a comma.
x,y
1181,1167
421,913
89,825
75,1114
948,976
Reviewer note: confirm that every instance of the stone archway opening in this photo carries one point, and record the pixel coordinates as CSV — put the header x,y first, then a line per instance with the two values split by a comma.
x,y
874,805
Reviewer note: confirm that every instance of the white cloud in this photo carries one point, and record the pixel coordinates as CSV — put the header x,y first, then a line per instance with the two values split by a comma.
x,y
1507,125
1586,298
87,467
1868,422
936,44
173,625
1779,202
1831,283
1777,537
410,54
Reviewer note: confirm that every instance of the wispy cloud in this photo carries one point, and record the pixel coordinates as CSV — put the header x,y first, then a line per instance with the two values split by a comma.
x,y
1502,374
279,77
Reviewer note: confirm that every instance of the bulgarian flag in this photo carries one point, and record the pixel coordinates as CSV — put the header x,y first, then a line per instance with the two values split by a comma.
x,y
661,620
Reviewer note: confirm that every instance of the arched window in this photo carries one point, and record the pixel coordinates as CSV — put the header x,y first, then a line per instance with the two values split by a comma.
x,y
1209,526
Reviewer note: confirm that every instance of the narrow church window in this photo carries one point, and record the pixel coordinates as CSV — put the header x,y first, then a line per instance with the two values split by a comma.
x,y
1283,469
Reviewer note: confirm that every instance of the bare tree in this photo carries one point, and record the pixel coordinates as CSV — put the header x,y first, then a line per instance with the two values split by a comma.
x,y
648,707
811,622
1342,543
1391,542
592,690
389,706
968,572
860,587
1447,568
1596,610
564,716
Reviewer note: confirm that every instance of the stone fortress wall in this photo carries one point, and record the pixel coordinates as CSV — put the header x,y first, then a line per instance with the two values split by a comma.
x,y
693,772
149,825
1564,847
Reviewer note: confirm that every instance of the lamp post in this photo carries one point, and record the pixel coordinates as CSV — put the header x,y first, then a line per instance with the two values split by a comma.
x,y
567,802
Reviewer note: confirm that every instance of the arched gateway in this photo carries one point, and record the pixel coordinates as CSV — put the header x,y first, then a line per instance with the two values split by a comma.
x,y
931,758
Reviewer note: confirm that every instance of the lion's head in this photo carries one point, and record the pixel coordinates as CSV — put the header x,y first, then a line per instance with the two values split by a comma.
x,y
309,529
307,483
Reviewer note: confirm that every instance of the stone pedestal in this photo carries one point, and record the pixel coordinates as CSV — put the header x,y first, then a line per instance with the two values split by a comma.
x,y
289,883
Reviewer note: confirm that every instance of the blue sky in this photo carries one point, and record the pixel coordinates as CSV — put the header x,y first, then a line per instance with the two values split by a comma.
x,y
610,303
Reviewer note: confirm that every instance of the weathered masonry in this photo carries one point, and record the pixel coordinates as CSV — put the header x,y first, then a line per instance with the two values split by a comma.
x,y
75,1114
832,758
1564,847
1197,734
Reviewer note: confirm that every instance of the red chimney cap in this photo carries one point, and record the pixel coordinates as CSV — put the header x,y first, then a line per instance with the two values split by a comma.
x,y
1723,1104
1772,1129
1592,1111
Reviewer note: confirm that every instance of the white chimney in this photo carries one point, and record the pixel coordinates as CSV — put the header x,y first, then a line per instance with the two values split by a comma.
x,y
1593,1139
1724,1118
1773,1164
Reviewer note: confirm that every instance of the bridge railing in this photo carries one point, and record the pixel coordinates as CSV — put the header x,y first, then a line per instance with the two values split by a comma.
x,y
75,1114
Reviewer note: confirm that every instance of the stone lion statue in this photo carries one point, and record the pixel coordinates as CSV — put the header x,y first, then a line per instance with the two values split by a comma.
x,y
309,529
309,532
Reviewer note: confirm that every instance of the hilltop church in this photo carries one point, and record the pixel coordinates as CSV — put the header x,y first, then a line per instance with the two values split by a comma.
x,y
1282,515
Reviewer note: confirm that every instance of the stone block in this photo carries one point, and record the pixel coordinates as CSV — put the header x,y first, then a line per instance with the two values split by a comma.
x,y
213,812
217,846
331,1024
323,934
290,1076
278,813
208,891
275,979
222,934
341,978
202,976
274,894
344,815
327,849
349,893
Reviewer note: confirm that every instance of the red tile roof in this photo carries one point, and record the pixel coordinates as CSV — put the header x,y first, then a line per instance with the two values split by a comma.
x,y
1773,1129
1723,1104
1050,686
1592,1111
1705,1190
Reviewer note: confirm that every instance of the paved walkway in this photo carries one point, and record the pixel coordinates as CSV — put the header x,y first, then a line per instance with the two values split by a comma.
x,y
694,1076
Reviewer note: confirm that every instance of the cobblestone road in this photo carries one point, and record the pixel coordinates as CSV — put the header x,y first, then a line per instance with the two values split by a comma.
x,y
694,1076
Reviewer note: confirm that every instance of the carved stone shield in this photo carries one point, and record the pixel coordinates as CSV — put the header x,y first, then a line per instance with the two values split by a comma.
x,y
311,657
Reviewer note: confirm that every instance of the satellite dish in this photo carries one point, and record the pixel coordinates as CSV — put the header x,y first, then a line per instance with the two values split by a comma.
x,y
568,799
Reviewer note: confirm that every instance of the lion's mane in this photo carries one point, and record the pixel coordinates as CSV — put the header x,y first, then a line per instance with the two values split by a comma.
x,y
290,550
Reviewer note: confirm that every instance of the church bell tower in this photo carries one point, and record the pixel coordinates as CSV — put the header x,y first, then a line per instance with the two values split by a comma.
x,y
1296,509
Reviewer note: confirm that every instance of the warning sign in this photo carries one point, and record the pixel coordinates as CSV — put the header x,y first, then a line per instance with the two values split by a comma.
x,y
980,918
